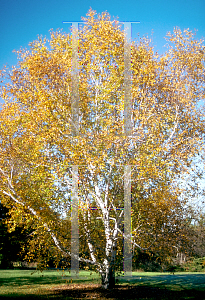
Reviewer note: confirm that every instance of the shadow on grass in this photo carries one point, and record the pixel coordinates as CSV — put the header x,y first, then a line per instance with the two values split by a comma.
x,y
30,281
119,292
29,278
183,281
49,285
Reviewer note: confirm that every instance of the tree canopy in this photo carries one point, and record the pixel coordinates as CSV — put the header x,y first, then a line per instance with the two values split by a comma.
x,y
38,150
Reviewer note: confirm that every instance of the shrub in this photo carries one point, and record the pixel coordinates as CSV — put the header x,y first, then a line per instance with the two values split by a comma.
x,y
195,265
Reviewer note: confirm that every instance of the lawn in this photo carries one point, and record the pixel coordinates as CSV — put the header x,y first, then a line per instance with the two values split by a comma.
x,y
54,284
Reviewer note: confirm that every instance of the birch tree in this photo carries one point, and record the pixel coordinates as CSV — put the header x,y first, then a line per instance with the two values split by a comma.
x,y
38,150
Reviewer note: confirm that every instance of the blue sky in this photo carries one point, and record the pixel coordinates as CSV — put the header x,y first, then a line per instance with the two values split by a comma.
x,y
22,20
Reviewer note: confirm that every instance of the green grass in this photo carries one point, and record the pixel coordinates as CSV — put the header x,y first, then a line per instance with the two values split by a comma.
x,y
181,280
15,283
53,284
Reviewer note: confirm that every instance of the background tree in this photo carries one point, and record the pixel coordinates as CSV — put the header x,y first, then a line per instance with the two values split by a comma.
x,y
38,150
197,237
11,242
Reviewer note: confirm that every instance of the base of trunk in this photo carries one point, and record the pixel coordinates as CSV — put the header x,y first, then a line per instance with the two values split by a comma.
x,y
108,280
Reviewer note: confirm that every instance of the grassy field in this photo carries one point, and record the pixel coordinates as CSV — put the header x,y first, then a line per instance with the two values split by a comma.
x,y
54,284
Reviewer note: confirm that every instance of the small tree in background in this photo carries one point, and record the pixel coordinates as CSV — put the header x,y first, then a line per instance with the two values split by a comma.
x,y
11,243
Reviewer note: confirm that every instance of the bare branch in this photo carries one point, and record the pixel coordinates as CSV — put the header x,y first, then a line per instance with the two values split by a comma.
x,y
125,237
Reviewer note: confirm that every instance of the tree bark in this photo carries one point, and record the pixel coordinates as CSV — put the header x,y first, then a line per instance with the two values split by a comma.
x,y
108,278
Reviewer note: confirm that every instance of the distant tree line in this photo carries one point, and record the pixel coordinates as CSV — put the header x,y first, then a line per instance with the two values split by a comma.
x,y
13,246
